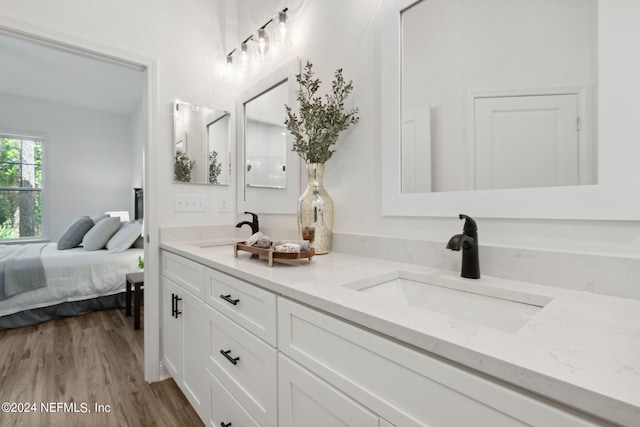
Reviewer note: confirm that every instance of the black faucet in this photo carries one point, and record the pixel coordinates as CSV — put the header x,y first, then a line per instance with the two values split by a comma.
x,y
255,227
468,242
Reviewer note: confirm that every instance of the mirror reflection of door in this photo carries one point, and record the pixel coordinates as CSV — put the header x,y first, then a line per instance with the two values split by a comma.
x,y
415,150
266,139
526,141
219,161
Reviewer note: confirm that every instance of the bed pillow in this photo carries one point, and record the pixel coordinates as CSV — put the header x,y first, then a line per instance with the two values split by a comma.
x,y
100,234
125,236
99,217
74,234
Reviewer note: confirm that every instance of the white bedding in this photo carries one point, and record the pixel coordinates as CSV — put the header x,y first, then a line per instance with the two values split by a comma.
x,y
76,274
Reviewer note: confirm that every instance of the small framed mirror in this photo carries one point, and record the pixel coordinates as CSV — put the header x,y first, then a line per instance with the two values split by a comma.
x,y
268,169
201,144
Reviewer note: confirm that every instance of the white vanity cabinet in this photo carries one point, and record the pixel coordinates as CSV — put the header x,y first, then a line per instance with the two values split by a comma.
x,y
245,356
184,332
404,386
220,343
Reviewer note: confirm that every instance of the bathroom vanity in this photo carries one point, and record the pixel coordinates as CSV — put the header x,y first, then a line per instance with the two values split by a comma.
x,y
360,341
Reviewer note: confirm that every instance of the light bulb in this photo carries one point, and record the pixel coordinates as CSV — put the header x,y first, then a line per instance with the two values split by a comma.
x,y
243,63
263,45
282,36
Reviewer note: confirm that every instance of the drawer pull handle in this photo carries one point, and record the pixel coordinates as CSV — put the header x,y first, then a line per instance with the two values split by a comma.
x,y
233,360
176,312
228,299
223,424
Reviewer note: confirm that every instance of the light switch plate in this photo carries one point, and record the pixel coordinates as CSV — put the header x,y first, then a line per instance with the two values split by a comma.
x,y
189,203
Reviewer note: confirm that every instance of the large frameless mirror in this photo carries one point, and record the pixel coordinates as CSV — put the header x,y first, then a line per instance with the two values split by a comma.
x,y
201,144
269,171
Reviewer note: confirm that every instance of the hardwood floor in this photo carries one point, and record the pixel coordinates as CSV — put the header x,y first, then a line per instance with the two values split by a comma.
x,y
81,362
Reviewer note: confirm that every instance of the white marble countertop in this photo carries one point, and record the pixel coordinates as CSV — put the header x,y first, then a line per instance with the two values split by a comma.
x,y
580,349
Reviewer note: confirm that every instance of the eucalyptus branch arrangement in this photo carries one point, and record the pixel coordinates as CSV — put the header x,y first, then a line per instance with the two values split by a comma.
x,y
317,125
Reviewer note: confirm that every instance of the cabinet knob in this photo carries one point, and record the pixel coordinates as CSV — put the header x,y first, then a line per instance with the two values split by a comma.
x,y
233,360
228,299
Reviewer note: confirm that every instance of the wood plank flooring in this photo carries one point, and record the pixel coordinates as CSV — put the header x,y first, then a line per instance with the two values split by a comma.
x,y
84,361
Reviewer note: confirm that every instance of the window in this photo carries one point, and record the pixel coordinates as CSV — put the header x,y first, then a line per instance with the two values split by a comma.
x,y
20,187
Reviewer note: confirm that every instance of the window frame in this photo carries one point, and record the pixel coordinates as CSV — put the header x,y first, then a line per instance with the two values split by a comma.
x,y
41,138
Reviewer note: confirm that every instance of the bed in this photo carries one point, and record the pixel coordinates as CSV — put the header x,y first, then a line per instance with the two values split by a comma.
x,y
76,281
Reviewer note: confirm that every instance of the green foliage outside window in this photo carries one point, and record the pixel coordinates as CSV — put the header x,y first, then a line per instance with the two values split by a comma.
x,y
20,187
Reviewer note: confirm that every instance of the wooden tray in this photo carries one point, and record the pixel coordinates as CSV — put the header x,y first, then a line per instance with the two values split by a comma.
x,y
271,254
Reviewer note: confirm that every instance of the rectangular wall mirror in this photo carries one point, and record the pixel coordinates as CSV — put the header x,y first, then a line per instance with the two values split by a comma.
x,y
268,169
491,99
488,112
201,144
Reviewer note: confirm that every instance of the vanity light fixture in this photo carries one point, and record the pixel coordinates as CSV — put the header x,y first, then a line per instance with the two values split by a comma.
x,y
278,25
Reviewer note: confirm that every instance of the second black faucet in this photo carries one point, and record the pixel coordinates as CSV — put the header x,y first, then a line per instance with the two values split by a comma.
x,y
468,242
255,226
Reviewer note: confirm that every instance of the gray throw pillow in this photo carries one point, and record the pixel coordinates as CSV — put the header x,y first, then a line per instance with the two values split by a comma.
x,y
125,236
100,234
97,218
74,234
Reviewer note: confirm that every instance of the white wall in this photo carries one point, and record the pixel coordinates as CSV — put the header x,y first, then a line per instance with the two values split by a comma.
x,y
87,155
336,34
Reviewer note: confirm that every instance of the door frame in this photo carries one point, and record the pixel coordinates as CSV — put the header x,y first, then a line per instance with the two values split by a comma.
x,y
153,371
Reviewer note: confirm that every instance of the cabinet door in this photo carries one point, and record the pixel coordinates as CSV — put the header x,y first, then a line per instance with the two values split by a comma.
x,y
172,344
194,332
306,400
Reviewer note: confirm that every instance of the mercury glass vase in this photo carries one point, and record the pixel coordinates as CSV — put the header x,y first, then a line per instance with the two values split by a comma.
x,y
315,211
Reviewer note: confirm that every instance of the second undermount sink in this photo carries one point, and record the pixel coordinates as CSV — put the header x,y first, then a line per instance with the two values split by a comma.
x,y
469,300
217,242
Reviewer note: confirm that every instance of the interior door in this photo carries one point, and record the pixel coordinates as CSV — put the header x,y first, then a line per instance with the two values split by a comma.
x,y
526,141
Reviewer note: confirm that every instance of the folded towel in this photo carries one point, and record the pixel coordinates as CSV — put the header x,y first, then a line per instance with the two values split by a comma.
x,y
254,238
264,242
288,247
305,245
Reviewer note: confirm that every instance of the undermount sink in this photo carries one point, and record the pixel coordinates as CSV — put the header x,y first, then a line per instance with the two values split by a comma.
x,y
465,299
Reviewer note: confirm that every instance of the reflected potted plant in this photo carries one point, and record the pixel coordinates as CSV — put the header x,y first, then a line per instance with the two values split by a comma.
x,y
215,167
316,128
183,167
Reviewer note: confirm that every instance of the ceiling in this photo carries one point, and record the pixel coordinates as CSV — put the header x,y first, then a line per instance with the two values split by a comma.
x,y
53,74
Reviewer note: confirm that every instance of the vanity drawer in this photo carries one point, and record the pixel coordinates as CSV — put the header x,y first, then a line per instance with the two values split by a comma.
x,y
186,273
402,385
250,306
245,365
225,410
